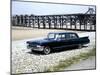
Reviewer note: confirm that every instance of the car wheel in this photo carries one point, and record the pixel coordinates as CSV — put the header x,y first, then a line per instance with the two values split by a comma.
x,y
79,46
46,50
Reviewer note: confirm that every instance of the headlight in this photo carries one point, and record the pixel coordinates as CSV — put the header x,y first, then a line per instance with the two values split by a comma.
x,y
28,46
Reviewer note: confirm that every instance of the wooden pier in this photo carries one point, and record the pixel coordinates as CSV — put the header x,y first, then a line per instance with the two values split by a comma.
x,y
82,22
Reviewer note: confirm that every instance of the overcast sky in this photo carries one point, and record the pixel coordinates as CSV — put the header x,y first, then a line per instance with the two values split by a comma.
x,y
46,8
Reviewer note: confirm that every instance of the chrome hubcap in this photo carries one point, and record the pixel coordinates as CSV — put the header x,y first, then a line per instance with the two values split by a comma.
x,y
47,50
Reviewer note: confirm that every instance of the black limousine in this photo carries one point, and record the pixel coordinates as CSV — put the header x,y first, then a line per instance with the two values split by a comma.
x,y
57,40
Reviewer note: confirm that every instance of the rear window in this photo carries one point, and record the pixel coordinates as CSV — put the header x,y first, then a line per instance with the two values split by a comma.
x,y
73,36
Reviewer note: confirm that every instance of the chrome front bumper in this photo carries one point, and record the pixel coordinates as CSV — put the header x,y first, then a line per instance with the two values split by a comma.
x,y
35,48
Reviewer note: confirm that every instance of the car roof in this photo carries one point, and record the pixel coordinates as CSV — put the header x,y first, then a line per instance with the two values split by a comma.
x,y
62,32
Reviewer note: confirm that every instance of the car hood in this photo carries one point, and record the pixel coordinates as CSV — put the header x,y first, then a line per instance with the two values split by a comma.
x,y
40,41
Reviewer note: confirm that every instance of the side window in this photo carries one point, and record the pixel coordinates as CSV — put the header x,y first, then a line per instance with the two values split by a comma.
x,y
63,36
73,36
60,37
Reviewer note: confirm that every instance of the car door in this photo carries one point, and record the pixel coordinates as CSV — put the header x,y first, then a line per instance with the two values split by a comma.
x,y
73,39
56,42
63,41
66,41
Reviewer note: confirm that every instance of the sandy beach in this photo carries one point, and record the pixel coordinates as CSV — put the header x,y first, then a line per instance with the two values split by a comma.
x,y
21,33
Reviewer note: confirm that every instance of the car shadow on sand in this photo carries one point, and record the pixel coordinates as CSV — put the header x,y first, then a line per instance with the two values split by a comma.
x,y
35,53
67,49
56,51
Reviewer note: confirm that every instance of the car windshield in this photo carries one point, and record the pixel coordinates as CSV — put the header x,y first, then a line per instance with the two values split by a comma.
x,y
51,36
